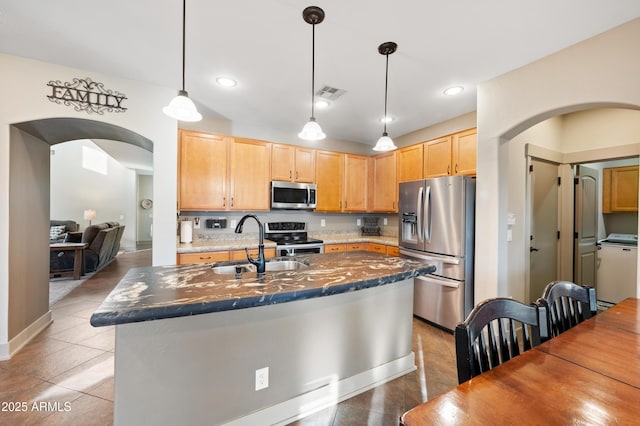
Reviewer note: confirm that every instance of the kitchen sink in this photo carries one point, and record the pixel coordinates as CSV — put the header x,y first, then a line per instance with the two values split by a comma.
x,y
232,269
273,265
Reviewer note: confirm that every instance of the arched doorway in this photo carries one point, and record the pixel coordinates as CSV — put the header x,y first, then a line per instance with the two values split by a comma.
x,y
29,201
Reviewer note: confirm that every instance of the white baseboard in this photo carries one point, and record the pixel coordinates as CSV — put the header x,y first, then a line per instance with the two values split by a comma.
x,y
328,395
7,350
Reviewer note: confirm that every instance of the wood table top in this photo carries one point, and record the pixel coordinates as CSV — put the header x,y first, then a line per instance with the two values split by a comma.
x,y
587,375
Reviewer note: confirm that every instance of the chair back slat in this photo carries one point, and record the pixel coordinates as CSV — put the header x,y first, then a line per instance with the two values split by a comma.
x,y
490,334
568,304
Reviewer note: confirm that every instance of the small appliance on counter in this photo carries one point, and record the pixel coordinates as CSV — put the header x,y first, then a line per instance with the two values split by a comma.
x,y
186,231
370,226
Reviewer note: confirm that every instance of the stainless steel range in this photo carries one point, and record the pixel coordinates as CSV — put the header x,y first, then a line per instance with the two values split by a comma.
x,y
291,238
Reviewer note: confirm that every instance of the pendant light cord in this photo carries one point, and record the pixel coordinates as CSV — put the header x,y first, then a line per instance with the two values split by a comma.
x,y
184,20
313,67
386,83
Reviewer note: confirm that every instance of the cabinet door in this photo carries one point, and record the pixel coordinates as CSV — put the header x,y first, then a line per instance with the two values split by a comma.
x,y
355,183
250,166
624,184
305,165
282,162
357,246
242,255
464,153
437,157
334,248
385,187
203,257
410,163
378,248
393,251
329,180
202,171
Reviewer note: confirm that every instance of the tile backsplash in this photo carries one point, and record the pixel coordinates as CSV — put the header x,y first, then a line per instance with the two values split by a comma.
x,y
334,223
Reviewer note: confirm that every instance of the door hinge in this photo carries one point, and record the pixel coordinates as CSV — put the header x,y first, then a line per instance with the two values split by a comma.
x,y
530,237
559,180
530,168
576,181
558,234
575,235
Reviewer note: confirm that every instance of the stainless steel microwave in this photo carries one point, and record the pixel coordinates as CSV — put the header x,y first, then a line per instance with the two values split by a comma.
x,y
293,196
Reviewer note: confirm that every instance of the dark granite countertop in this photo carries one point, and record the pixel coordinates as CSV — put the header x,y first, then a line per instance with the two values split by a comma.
x,y
151,293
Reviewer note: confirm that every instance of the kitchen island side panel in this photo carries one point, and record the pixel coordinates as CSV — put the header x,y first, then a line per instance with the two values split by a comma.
x,y
201,369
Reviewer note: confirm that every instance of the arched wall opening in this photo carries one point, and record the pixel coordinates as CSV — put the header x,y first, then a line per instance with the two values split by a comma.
x,y
29,209
601,71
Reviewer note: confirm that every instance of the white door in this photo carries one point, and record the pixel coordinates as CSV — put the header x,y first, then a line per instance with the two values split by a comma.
x,y
543,248
586,226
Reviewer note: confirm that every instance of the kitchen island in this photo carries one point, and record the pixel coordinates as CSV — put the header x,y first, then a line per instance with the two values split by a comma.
x,y
189,341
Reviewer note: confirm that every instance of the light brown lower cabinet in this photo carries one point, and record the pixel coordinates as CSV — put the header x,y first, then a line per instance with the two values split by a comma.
x,y
374,247
335,248
220,256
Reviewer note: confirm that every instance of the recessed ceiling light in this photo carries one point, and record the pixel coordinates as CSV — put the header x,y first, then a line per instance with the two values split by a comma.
x,y
451,91
322,103
386,119
226,82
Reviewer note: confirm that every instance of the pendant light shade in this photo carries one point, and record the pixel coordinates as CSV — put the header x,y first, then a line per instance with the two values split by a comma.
x,y
181,107
385,143
311,131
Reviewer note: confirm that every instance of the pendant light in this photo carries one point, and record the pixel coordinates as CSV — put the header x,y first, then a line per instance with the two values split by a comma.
x,y
181,107
311,131
385,143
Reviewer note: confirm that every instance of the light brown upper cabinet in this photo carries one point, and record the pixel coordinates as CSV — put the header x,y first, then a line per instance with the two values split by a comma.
x,y
293,164
202,171
620,189
410,163
385,187
217,173
437,157
355,183
329,178
249,177
463,155
451,155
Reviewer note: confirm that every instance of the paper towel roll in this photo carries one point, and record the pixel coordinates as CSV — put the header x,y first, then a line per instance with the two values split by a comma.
x,y
186,231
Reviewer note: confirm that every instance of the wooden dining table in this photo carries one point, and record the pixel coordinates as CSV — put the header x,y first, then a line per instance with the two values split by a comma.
x,y
588,375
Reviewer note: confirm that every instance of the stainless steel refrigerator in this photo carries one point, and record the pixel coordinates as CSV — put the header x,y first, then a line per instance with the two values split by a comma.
x,y
437,224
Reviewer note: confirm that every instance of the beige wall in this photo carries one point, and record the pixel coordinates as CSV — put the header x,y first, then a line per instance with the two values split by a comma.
x,y
457,124
29,231
597,73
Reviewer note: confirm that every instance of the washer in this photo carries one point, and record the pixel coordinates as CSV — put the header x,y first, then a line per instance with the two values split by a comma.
x,y
617,267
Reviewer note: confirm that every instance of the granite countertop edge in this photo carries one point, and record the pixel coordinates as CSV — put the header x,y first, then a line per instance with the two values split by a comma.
x,y
125,315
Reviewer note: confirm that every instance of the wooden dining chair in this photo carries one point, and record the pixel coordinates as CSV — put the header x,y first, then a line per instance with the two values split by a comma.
x,y
495,331
567,304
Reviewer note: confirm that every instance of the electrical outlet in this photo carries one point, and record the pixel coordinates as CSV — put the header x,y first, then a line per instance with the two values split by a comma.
x,y
196,223
262,378
323,222
358,222
385,221
233,223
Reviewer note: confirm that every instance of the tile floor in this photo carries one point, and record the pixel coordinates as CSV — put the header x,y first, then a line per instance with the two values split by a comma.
x,y
65,375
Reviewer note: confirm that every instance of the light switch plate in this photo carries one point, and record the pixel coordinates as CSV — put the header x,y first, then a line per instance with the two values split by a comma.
x,y
386,221
358,222
323,222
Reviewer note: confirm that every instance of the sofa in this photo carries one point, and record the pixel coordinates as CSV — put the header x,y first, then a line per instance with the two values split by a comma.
x,y
103,244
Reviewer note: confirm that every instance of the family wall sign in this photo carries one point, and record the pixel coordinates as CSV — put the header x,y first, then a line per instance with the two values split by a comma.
x,y
84,94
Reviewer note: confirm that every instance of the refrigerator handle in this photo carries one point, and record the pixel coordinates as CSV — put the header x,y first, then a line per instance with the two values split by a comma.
x,y
427,215
419,205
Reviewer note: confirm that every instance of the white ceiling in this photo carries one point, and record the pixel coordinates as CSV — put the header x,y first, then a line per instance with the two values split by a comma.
x,y
266,46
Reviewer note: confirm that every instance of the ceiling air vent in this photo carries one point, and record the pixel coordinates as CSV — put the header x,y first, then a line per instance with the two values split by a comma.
x,y
330,93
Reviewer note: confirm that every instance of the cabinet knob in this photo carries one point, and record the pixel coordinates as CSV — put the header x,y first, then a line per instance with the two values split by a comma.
x,y
456,167
449,169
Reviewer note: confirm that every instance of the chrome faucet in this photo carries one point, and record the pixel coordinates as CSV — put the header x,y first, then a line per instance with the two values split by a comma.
x,y
259,262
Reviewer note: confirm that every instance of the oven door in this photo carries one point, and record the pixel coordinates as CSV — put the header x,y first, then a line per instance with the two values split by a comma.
x,y
298,249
